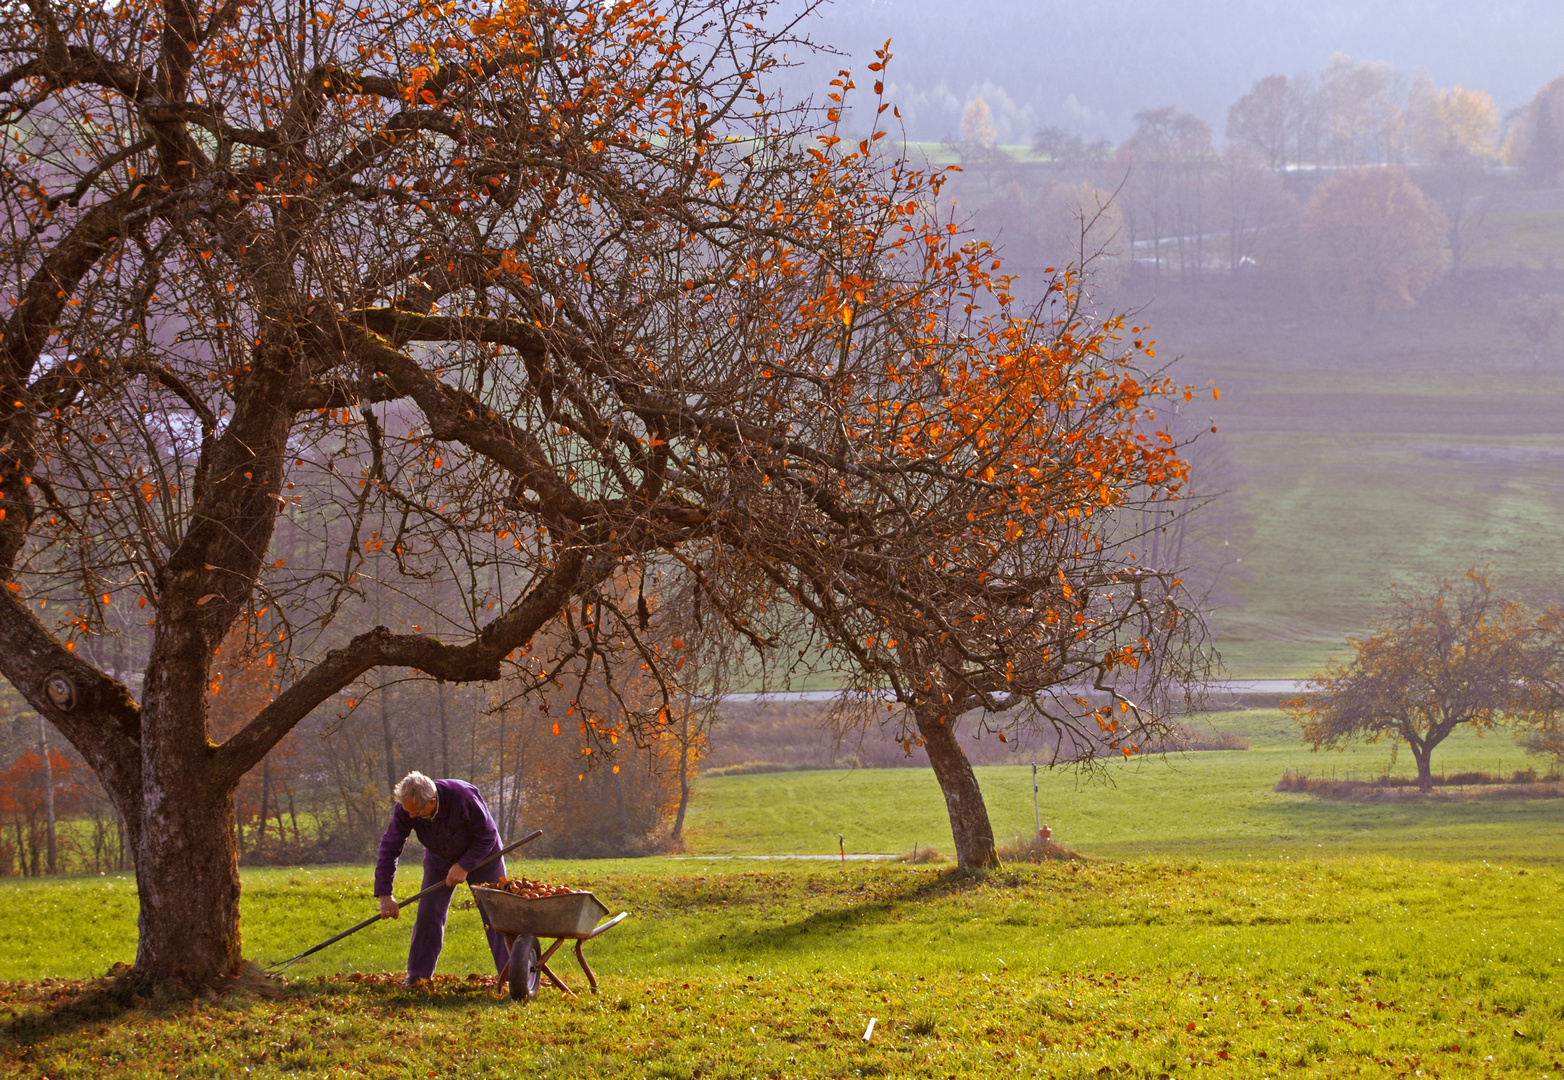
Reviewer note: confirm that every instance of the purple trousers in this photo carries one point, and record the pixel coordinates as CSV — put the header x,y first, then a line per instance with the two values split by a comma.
x,y
429,926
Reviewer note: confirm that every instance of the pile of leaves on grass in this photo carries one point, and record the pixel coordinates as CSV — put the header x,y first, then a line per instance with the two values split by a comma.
x,y
922,853
1038,850
444,984
1522,784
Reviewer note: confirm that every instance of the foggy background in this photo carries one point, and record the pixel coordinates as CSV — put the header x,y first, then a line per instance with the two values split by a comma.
x,y
1374,426
1090,67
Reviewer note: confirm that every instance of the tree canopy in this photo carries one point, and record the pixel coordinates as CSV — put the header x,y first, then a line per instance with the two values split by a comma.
x,y
505,311
1372,240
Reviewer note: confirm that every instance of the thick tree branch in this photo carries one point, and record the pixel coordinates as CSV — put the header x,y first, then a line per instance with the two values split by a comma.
x,y
47,294
478,660
81,65
458,417
94,711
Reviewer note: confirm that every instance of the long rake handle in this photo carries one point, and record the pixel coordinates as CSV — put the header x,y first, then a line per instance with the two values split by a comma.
x,y
533,835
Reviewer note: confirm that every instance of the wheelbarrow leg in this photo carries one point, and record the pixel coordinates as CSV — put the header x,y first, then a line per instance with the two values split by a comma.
x,y
499,982
555,979
582,960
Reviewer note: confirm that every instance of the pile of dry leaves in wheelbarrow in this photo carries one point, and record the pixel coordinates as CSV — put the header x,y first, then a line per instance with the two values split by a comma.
x,y
526,887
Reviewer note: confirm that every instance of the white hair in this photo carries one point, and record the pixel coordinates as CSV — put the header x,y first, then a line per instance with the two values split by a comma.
x,y
414,785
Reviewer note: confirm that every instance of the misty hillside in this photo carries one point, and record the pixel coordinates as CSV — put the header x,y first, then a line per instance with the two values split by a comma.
x,y
1090,67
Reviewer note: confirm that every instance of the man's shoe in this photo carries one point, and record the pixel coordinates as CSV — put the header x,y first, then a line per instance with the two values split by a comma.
x,y
411,982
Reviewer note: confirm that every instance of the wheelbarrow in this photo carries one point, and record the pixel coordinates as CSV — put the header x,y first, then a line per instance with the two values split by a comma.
x,y
522,921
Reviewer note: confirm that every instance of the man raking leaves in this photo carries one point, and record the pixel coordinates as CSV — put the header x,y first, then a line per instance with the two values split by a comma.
x,y
453,823
415,898
461,843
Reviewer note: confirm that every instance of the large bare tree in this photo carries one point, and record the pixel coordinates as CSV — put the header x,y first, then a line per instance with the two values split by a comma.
x,y
483,290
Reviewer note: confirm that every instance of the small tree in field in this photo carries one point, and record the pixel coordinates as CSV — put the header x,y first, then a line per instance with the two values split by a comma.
x,y
984,556
979,146
1535,317
977,125
1266,118
1542,704
1371,239
1457,655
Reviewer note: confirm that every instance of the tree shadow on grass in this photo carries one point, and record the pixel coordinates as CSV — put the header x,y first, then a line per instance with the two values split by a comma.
x,y
61,1007
871,903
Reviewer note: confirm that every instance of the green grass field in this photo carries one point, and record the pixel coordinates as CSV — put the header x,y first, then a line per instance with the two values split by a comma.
x,y
1531,238
1213,804
1361,453
1370,966
1217,923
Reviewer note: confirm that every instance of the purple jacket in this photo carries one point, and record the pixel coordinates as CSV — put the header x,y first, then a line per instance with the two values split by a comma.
x,y
461,831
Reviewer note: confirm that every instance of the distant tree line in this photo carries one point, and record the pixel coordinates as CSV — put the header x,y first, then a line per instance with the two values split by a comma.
x,y
1374,184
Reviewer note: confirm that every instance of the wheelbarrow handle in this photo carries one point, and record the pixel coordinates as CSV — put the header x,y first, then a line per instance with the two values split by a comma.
x,y
533,835
609,925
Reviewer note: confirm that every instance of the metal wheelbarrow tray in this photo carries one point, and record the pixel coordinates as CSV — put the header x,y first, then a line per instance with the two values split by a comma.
x,y
521,921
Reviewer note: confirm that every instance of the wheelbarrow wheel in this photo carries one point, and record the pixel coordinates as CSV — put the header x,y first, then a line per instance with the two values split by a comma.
x,y
524,968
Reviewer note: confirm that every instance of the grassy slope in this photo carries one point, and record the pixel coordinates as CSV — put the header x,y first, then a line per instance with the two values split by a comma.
x,y
1531,238
1414,446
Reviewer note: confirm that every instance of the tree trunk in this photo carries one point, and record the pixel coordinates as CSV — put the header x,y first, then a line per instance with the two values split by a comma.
x,y
512,828
385,735
48,788
684,777
963,798
180,817
187,876
1425,771
21,845
624,811
500,772
445,746
266,791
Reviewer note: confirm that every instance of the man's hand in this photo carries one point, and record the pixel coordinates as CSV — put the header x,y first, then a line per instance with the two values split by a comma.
x,y
455,876
388,908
